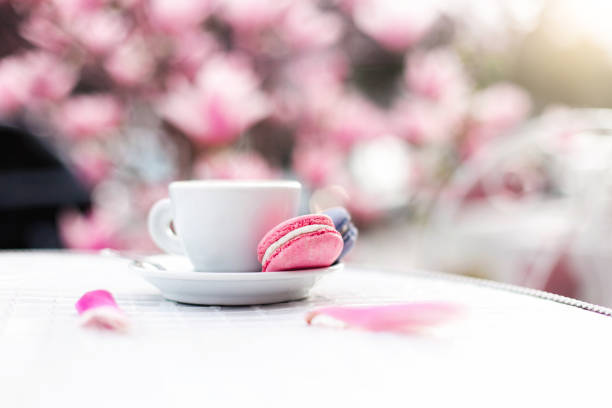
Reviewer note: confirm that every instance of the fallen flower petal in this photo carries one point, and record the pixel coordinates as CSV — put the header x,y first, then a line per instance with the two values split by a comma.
x,y
95,298
99,309
399,318
105,318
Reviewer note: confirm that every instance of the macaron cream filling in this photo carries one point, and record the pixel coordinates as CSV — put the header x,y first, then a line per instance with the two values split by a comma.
x,y
291,235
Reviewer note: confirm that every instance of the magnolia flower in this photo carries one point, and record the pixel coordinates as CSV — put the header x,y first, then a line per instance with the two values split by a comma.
x,y
41,31
70,10
190,51
174,16
305,26
311,85
500,106
91,163
353,118
14,85
144,196
318,164
32,77
494,111
252,15
130,3
234,165
50,77
437,75
420,121
131,63
223,102
94,231
348,5
22,6
100,32
88,115
396,25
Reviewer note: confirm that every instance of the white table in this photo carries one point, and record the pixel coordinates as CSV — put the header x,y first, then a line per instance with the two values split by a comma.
x,y
509,350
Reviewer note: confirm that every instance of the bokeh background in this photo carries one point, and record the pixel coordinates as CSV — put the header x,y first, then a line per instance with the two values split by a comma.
x,y
470,137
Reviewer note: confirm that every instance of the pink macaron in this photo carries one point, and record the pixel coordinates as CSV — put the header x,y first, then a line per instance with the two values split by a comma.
x,y
308,241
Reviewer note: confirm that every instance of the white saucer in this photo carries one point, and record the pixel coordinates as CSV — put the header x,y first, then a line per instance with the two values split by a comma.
x,y
179,282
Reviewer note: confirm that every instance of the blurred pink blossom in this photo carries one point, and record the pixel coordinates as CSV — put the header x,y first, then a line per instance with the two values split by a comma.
x,y
564,127
130,3
305,26
310,86
363,207
42,32
437,74
252,15
100,32
50,77
15,82
70,10
354,118
32,77
318,165
91,163
395,24
175,16
145,195
501,105
234,165
348,5
224,101
88,115
421,121
94,231
138,240
295,68
22,6
564,278
495,111
131,63
191,49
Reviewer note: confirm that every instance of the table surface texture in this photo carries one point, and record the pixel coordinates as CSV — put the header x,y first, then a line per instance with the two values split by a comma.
x,y
506,350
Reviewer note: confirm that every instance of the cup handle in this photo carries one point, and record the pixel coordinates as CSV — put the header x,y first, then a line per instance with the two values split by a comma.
x,y
160,218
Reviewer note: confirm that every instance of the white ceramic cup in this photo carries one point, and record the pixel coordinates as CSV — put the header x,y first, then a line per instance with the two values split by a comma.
x,y
219,223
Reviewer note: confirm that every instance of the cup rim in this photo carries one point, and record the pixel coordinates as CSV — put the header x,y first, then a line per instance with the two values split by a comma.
x,y
237,183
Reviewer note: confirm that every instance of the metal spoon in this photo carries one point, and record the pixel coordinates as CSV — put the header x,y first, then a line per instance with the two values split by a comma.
x,y
138,261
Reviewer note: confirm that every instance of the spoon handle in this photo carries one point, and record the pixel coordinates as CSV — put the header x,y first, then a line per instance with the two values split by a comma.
x,y
137,260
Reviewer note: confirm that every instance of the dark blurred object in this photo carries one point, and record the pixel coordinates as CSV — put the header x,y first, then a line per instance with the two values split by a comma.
x,y
34,186
9,21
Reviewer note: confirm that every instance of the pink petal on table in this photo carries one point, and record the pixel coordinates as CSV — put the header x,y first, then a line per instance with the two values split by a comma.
x,y
399,318
99,309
